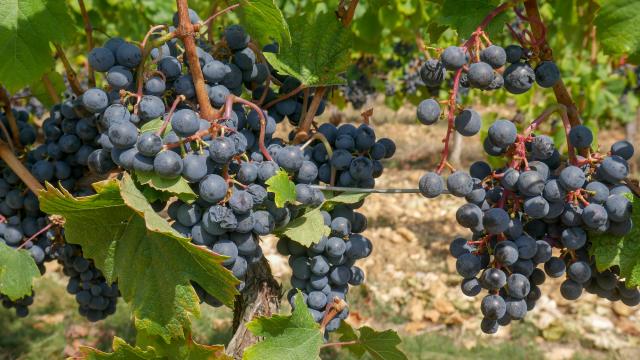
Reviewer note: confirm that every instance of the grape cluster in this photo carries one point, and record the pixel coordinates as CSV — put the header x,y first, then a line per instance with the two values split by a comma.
x,y
22,223
27,132
520,213
325,270
71,135
95,297
484,74
20,306
412,79
226,166
355,157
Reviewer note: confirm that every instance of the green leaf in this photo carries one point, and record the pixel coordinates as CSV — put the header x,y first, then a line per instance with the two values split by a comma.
x,y
155,125
618,30
153,264
319,50
380,345
286,337
306,229
157,349
39,91
610,250
344,198
466,21
17,271
283,188
264,21
26,28
178,187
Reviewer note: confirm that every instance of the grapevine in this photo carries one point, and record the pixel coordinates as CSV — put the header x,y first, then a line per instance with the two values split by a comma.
x,y
166,159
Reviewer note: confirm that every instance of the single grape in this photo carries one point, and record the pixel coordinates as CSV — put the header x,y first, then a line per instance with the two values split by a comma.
x,y
168,165
494,55
547,74
518,78
622,148
502,133
453,58
580,136
459,184
468,122
428,111
514,53
480,75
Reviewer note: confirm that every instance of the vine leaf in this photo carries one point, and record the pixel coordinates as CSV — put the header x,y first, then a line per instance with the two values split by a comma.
x,y
624,251
17,271
264,21
345,198
618,31
380,345
318,53
306,229
153,264
178,187
155,125
153,348
26,28
283,188
465,22
286,337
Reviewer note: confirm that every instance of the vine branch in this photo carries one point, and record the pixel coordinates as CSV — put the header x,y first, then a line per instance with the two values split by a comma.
x,y
72,77
51,91
19,169
559,89
185,32
13,124
89,30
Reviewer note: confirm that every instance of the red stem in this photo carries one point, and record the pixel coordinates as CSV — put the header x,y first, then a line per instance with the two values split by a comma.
x,y
221,12
456,81
185,32
450,121
263,121
35,235
168,118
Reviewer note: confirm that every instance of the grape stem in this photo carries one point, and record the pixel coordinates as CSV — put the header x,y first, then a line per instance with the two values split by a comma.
x,y
263,120
471,42
89,31
7,155
221,12
346,16
51,91
286,96
338,344
168,117
450,122
545,53
13,124
185,32
145,47
35,235
305,126
72,78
